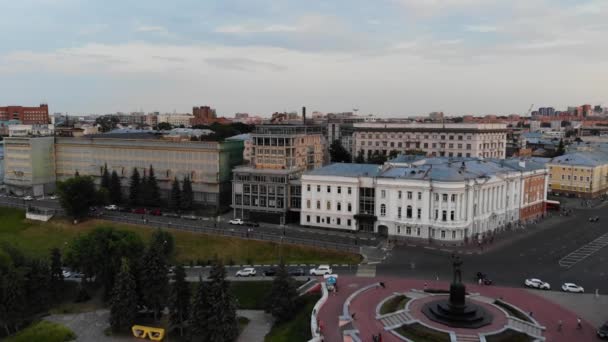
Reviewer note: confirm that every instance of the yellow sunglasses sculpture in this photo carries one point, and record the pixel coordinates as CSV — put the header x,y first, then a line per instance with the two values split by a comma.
x,y
155,334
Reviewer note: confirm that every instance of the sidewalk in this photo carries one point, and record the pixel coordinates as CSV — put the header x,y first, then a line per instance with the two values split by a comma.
x,y
259,325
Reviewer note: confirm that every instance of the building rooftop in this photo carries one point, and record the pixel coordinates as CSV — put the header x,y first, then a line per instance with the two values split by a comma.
x,y
590,158
347,170
245,136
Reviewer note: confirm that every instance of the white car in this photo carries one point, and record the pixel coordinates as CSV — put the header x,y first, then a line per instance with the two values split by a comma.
x,y
571,287
53,197
111,207
321,270
28,198
537,284
236,221
66,274
246,272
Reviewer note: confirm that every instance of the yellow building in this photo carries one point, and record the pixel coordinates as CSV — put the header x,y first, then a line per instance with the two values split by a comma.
x,y
580,174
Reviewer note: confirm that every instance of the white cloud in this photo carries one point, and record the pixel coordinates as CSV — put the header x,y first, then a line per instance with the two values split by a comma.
x,y
152,29
481,28
246,29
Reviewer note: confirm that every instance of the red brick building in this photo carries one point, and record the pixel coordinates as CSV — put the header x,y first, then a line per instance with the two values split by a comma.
x,y
533,204
27,115
205,115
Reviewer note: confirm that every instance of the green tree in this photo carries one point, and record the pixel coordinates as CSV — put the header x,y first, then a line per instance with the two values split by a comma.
x,y
175,195
12,298
560,148
134,187
56,272
105,178
223,325
187,197
200,310
153,189
338,153
392,154
153,279
37,286
144,194
164,126
76,195
107,123
166,240
123,305
360,159
281,301
99,253
377,158
115,188
179,300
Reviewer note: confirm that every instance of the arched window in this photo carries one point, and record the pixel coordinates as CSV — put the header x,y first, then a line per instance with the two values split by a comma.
x,y
382,209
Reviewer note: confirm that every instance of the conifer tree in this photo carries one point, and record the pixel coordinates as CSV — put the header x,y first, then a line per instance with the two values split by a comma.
x,y
56,272
281,302
200,310
134,187
187,196
123,305
179,300
153,279
115,188
153,189
223,325
175,196
105,178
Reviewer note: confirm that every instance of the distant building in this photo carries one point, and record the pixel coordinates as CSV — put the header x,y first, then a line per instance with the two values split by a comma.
x,y
176,119
29,165
341,127
580,174
26,115
436,116
203,115
546,111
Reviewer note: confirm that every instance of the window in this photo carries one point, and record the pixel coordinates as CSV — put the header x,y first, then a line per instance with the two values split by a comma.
x,y
452,215
350,207
468,146
436,214
574,177
419,195
382,193
409,195
399,194
328,205
307,204
436,197
408,230
398,230
318,219
382,209
419,213
338,221
327,220
307,218
426,145
468,155
339,189
408,213
443,234
418,231
445,197
339,206
348,222
453,198
328,189
308,187
398,212
319,205
318,188
444,215
349,190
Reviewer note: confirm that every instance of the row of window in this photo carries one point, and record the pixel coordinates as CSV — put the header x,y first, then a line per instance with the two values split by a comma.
x,y
327,220
401,136
328,188
417,145
434,154
581,178
349,206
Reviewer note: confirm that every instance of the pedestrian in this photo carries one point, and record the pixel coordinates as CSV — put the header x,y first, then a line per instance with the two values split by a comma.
x,y
382,285
531,314
374,338
559,325
579,326
479,281
425,285
352,316
379,337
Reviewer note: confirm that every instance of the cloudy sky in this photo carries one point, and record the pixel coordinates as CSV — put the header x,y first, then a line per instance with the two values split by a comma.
x,y
387,57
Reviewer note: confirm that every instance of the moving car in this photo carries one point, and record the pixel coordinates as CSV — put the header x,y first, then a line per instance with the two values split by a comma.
x,y
297,272
602,332
269,272
321,270
236,221
155,212
140,211
53,197
594,219
170,215
252,224
571,287
28,198
66,274
246,272
189,217
111,207
537,284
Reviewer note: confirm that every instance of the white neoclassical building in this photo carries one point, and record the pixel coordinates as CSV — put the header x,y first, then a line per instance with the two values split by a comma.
x,y
436,198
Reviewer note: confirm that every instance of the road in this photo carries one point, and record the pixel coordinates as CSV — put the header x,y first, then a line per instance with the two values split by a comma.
x,y
537,254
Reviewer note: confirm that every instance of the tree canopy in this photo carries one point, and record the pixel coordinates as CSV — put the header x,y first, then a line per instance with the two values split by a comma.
x,y
338,153
76,195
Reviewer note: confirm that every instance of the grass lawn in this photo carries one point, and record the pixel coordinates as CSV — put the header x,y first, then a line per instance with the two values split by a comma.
x,y
37,238
394,304
297,329
251,295
43,331
420,333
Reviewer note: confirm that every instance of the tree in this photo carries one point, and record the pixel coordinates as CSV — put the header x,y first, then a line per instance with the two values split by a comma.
x,y
107,123
377,158
99,253
115,188
153,278
393,154
76,195
360,159
164,126
187,198
134,187
175,196
105,178
123,305
200,310
153,192
166,240
143,195
223,325
338,153
56,272
560,148
179,300
12,299
37,286
281,301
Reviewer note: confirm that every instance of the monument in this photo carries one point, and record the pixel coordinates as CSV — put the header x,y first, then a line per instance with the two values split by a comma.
x,y
456,311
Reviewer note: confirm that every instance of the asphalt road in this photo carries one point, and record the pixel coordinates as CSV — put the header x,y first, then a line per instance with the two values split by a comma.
x,y
537,255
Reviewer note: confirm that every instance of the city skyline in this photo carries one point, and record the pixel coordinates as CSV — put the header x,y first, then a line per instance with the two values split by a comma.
x,y
390,58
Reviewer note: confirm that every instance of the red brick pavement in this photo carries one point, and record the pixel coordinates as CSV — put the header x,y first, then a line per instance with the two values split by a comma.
x,y
364,306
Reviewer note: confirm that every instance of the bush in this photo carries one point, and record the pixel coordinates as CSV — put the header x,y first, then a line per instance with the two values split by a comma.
x,y
43,331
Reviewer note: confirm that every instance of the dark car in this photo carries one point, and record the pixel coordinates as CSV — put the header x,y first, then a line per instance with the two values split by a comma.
x,y
252,224
297,272
269,272
602,332
140,211
155,212
594,219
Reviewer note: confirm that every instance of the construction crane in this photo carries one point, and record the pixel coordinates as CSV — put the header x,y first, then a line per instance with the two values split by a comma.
x,y
530,110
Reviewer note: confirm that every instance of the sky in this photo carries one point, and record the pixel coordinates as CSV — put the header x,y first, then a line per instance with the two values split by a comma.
x,y
384,57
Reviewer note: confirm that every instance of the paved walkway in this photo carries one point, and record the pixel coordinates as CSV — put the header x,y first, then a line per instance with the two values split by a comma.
x,y
546,312
259,325
588,306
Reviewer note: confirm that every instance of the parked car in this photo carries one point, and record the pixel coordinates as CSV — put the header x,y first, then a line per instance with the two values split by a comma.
x,y
571,287
53,197
321,270
140,211
269,272
246,272
594,219
28,198
252,224
297,272
170,215
602,332
66,273
155,212
537,284
189,217
237,221
111,207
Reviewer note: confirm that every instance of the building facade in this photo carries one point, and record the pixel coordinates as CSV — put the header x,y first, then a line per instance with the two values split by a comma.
x,y
435,139
207,164
29,165
341,127
175,119
581,174
26,115
448,200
